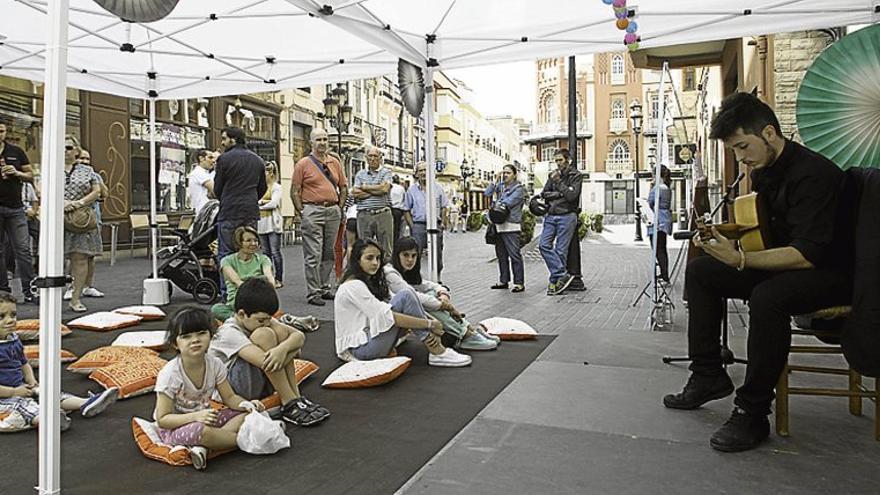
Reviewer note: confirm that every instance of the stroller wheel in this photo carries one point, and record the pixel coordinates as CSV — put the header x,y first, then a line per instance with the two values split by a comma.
x,y
205,291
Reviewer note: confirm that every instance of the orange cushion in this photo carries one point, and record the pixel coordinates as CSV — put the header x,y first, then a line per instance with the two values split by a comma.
x,y
32,352
104,321
361,374
146,435
30,329
105,356
145,312
509,329
132,377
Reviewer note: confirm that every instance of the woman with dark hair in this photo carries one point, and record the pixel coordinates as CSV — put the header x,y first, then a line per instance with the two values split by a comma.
x,y
369,319
247,262
663,223
404,272
509,192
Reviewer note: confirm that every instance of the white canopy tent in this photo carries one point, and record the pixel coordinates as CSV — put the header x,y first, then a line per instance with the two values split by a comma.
x,y
246,46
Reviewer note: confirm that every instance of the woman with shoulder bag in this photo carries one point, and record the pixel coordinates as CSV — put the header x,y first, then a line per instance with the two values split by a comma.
x,y
509,195
82,241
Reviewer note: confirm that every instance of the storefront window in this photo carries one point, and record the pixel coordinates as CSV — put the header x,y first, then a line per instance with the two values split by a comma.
x,y
23,115
175,148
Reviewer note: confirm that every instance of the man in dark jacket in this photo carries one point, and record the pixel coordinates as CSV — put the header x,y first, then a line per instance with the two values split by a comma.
x,y
563,196
239,183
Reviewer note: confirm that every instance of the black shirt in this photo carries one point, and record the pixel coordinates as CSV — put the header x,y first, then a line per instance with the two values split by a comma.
x,y
10,188
809,209
239,183
568,184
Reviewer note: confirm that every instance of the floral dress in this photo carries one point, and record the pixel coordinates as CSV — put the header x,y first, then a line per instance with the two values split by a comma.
x,y
77,184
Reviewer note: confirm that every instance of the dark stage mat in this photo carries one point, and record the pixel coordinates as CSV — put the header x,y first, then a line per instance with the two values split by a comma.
x,y
375,440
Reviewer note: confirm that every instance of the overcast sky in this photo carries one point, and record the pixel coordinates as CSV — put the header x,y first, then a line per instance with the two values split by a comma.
x,y
503,89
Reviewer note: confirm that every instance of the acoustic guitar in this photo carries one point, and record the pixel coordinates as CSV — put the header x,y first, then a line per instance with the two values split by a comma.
x,y
752,226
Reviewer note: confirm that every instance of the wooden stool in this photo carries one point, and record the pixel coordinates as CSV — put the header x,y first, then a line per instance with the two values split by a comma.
x,y
855,391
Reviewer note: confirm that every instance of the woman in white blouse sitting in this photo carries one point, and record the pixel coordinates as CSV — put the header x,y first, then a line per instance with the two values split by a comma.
x,y
369,318
404,272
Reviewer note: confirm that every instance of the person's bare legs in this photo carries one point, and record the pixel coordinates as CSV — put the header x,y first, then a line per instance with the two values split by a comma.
x,y
79,268
224,437
282,380
90,274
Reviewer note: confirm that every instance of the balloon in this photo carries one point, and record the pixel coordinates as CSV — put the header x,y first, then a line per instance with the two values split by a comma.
x,y
607,2
620,15
632,27
622,24
630,38
633,47
619,3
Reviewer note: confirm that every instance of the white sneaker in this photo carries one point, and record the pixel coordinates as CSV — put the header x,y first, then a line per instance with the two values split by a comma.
x,y
449,359
68,294
92,292
199,457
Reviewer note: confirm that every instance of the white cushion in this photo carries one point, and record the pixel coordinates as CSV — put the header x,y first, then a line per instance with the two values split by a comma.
x,y
360,374
154,339
509,329
145,312
103,321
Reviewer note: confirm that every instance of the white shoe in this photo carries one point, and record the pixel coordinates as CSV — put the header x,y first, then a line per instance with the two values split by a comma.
x,y
92,292
449,359
68,294
199,457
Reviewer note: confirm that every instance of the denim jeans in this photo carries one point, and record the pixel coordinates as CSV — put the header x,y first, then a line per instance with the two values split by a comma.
x,y
14,231
420,233
555,238
380,346
271,244
507,250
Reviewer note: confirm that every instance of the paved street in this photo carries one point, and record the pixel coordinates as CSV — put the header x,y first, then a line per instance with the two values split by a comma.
x,y
586,417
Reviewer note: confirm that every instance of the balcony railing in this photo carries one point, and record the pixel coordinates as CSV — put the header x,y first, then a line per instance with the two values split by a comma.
x,y
617,125
618,165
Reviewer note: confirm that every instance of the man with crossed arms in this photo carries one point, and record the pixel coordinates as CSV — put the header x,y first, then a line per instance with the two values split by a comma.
x,y
371,191
318,191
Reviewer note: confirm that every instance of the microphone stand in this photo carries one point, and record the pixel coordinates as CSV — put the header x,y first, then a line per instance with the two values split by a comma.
x,y
727,356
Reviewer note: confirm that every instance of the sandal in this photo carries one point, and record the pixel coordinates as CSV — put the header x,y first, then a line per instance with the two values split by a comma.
x,y
303,412
77,307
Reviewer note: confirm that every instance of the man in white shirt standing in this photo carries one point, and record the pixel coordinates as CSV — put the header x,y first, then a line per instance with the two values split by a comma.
x,y
201,180
397,194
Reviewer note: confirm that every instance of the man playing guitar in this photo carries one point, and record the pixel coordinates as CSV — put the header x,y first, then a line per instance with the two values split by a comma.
x,y
807,268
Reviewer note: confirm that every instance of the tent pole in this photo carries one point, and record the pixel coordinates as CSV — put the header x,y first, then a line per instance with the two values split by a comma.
x,y
430,194
153,232
51,240
664,157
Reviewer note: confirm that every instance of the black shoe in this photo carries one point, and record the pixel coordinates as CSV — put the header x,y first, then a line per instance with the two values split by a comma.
x,y
563,283
303,412
316,301
743,431
577,285
329,295
31,299
499,286
699,390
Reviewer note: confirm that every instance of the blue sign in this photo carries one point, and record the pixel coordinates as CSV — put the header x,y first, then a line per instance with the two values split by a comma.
x,y
439,166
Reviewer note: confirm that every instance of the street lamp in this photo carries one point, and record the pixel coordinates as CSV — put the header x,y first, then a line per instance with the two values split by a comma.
x,y
337,109
635,115
466,172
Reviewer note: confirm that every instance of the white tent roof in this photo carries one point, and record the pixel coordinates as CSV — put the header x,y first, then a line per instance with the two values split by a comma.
x,y
244,46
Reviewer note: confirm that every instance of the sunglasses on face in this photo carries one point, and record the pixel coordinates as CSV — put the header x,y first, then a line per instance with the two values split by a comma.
x,y
68,147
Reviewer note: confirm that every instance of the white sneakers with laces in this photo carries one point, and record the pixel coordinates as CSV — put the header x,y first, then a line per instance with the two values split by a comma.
x,y
449,359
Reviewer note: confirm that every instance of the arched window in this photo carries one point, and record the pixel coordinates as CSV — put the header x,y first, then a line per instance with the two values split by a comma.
x,y
549,112
618,109
617,69
618,151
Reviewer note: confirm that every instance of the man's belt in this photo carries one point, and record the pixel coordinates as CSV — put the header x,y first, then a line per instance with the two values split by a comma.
x,y
322,203
375,211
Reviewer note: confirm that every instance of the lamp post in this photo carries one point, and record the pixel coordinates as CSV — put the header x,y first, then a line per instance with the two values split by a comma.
x,y
465,174
635,115
337,109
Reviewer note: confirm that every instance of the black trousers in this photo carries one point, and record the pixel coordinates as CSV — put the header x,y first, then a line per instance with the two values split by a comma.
x,y
662,254
573,262
773,298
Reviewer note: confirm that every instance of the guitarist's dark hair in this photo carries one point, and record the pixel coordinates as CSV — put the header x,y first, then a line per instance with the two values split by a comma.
x,y
743,111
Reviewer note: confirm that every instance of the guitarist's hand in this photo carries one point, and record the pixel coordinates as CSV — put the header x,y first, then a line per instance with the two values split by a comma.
x,y
719,247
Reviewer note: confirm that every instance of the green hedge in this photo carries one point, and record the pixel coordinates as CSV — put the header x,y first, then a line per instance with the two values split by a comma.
x,y
475,221
587,222
527,228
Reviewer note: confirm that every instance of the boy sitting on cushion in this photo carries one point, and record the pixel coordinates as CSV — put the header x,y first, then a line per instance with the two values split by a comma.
x,y
258,351
18,385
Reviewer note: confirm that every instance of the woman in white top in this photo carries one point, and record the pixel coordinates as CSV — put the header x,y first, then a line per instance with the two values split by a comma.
x,y
369,318
404,272
271,225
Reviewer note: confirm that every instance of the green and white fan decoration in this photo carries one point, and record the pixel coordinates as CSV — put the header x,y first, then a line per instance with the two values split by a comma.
x,y
838,105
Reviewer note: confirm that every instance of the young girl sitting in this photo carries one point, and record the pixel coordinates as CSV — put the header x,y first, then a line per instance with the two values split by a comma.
x,y
19,387
405,272
185,386
369,320
237,267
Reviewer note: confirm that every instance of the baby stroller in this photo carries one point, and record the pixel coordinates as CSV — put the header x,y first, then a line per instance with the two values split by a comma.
x,y
190,263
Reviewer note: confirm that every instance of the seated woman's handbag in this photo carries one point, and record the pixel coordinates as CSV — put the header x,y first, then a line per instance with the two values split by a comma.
x,y
80,220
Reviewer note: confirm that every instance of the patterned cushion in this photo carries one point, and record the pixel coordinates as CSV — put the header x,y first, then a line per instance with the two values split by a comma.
x,y
361,374
509,329
154,339
146,435
32,352
145,312
105,356
133,377
104,321
30,329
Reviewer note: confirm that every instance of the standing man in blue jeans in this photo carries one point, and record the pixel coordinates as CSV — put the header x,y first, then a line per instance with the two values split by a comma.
x,y
415,207
563,196
14,170
239,183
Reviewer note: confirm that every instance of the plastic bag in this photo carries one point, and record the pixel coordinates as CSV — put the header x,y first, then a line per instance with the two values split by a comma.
x,y
259,434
